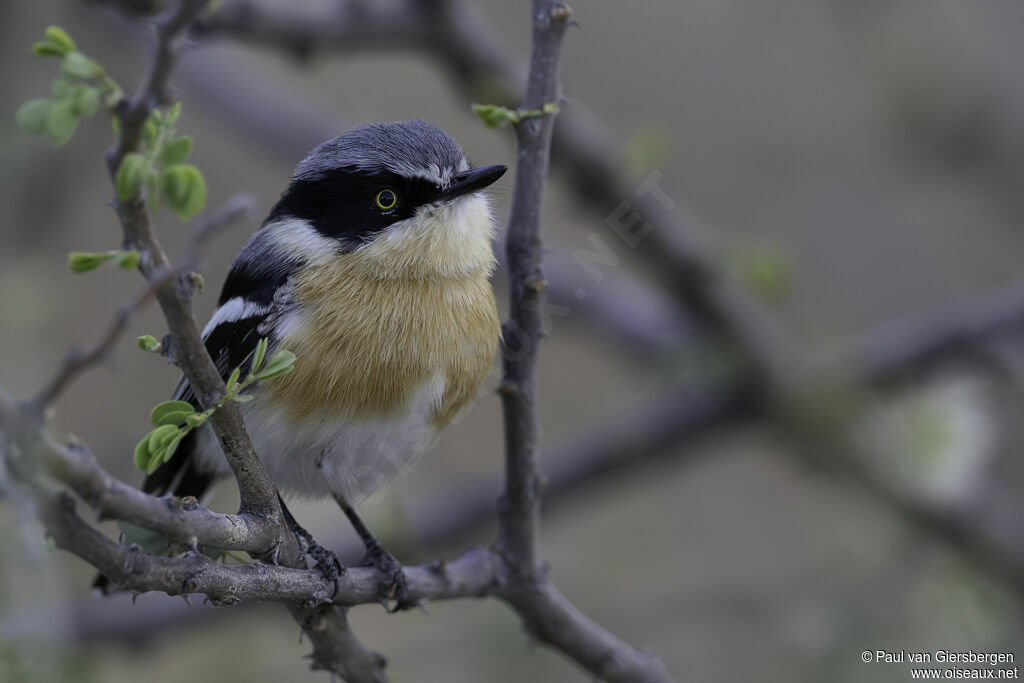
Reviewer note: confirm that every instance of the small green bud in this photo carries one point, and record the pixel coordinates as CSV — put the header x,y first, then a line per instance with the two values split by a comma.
x,y
81,262
232,380
494,115
148,342
45,48
60,38
173,113
259,354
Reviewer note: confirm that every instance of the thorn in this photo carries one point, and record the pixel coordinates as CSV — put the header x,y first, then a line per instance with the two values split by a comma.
x,y
135,596
185,598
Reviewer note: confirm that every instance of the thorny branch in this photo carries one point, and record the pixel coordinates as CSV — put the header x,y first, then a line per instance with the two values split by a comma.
x,y
776,377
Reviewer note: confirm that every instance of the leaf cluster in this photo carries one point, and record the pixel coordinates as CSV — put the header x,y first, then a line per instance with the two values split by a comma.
x,y
173,420
75,94
160,169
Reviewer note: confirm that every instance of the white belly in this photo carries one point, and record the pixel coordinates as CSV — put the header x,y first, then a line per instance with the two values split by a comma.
x,y
325,455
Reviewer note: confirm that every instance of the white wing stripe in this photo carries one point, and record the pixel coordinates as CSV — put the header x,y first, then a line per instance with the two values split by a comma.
x,y
234,309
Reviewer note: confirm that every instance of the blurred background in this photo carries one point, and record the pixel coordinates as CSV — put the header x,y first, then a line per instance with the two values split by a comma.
x,y
853,168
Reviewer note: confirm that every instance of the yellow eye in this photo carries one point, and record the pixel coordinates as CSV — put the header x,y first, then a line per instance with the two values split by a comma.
x,y
386,199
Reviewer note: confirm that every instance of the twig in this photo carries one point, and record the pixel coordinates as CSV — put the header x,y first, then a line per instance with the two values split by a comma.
x,y
546,614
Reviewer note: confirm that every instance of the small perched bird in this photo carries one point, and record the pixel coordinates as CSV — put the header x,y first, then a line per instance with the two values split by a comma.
x,y
373,269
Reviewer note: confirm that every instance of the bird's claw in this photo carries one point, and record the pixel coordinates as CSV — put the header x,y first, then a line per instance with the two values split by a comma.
x,y
394,587
327,562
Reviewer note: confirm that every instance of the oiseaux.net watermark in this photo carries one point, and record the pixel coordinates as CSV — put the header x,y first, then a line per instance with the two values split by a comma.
x,y
948,664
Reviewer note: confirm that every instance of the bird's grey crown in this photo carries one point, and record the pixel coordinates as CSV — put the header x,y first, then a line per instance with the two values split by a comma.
x,y
409,148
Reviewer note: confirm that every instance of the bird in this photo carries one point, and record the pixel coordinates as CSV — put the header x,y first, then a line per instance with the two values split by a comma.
x,y
373,268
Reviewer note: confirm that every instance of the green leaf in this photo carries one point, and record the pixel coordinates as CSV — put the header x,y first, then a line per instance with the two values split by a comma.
x,y
183,189
233,380
282,362
81,261
173,113
78,65
550,108
129,259
148,342
494,115
142,454
173,445
45,48
61,89
61,122
57,36
85,101
33,114
170,413
160,437
244,398
150,131
130,175
176,151
152,187
259,355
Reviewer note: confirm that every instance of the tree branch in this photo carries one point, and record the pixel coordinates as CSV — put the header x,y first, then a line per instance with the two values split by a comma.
x,y
546,614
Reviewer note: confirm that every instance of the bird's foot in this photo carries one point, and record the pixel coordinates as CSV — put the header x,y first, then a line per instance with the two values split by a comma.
x,y
394,586
326,559
327,562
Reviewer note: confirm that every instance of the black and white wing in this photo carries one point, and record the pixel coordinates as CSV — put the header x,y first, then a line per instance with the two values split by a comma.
x,y
254,296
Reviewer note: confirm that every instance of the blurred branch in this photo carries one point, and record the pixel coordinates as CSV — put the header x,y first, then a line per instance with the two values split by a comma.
x,y
78,361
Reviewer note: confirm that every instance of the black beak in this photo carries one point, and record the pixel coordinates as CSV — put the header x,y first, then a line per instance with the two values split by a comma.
x,y
473,180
